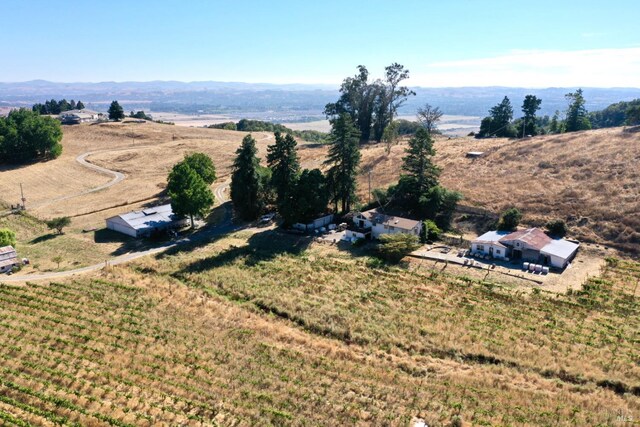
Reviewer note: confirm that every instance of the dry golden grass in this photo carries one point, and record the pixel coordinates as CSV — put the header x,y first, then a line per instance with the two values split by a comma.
x,y
143,152
284,334
590,179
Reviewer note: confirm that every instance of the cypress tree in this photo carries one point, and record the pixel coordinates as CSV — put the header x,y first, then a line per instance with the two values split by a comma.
x,y
343,159
245,180
282,158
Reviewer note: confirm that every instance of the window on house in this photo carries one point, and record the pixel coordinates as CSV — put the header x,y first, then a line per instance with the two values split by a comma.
x,y
480,248
497,251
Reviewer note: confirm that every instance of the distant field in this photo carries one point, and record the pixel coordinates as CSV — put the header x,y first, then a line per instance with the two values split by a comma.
x,y
200,120
454,125
273,329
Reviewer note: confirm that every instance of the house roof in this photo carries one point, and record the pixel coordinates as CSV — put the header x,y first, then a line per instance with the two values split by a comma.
x,y
6,250
376,216
10,261
147,218
533,237
8,256
560,248
83,111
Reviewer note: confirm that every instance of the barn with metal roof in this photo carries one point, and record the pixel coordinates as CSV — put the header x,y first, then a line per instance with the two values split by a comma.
x,y
145,222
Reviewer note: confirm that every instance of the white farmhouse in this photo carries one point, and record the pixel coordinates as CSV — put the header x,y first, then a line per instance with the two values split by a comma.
x,y
531,244
146,222
374,223
78,116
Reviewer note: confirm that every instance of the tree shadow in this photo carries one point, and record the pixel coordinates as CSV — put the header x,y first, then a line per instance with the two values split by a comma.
x,y
44,238
127,243
261,246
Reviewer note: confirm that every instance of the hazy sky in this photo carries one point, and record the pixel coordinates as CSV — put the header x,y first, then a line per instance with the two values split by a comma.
x,y
443,43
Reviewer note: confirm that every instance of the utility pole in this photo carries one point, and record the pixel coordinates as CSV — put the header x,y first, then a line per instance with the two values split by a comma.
x,y
369,186
524,122
22,198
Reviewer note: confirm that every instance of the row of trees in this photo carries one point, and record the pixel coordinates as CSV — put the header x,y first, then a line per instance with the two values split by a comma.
x,y
500,121
298,194
247,125
618,114
371,106
27,136
57,107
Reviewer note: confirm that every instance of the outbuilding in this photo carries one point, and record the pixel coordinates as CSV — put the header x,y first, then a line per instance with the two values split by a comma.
x,y
146,222
8,258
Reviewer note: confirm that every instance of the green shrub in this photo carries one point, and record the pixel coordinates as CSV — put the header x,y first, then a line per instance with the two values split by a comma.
x,y
394,247
557,228
7,237
509,220
430,231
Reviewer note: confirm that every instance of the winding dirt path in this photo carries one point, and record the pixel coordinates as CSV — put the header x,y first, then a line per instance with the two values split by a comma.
x,y
220,191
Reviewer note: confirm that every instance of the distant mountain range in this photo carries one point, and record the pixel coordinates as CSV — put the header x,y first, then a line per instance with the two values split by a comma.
x,y
289,101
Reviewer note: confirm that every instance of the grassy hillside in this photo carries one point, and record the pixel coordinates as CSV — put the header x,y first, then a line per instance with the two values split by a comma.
x,y
245,331
590,179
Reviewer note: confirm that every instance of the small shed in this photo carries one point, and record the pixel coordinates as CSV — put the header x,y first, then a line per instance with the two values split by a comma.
x,y
474,154
323,221
8,258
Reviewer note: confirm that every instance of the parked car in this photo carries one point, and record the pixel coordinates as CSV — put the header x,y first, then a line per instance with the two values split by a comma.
x,y
266,219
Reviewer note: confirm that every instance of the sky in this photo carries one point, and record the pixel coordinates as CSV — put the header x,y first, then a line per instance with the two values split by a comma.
x,y
453,43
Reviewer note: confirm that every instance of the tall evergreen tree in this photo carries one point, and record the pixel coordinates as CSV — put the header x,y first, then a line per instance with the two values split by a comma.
x,y
530,106
312,195
343,159
418,163
116,112
80,105
282,159
501,116
422,174
577,117
245,180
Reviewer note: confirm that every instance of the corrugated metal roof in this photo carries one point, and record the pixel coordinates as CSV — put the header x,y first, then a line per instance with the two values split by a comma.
x,y
148,218
10,261
6,249
560,248
534,237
